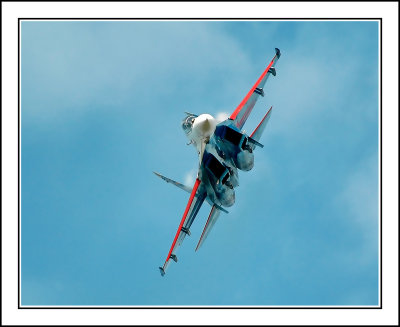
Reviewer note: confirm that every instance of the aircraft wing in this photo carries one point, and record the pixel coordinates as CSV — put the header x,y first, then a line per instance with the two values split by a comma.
x,y
242,112
212,218
196,199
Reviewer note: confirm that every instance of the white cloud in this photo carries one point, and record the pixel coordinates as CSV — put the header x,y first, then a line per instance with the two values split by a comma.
x,y
101,66
360,194
360,199
221,116
36,292
189,177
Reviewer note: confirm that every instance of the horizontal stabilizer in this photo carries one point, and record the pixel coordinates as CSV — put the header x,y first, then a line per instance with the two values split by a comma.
x,y
256,135
168,180
220,208
254,142
211,203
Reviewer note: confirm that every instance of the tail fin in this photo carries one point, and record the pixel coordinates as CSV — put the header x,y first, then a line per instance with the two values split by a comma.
x,y
212,218
256,135
168,180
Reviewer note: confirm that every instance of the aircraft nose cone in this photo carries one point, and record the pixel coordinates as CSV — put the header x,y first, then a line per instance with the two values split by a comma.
x,y
203,127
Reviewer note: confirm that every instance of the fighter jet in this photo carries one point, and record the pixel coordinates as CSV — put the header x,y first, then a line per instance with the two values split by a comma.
x,y
223,149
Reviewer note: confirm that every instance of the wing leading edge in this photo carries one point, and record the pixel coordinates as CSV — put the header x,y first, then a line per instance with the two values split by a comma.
x,y
242,112
192,208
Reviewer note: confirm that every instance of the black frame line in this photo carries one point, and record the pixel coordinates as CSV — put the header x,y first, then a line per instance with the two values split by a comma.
x,y
200,307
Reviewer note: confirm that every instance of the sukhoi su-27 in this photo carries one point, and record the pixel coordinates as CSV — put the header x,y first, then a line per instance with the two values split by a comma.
x,y
223,149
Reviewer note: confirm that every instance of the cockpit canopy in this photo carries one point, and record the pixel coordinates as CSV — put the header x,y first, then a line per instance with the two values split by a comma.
x,y
187,123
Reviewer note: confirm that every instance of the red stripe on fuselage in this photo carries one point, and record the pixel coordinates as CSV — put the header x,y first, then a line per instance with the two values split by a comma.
x,y
247,97
195,187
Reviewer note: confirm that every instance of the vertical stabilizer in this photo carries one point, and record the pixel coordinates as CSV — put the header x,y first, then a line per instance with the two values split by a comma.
x,y
212,218
256,135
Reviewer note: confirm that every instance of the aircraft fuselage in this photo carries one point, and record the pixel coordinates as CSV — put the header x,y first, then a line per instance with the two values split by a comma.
x,y
222,149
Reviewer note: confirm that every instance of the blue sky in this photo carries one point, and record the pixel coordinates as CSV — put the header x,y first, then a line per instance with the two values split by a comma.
x,y
101,109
